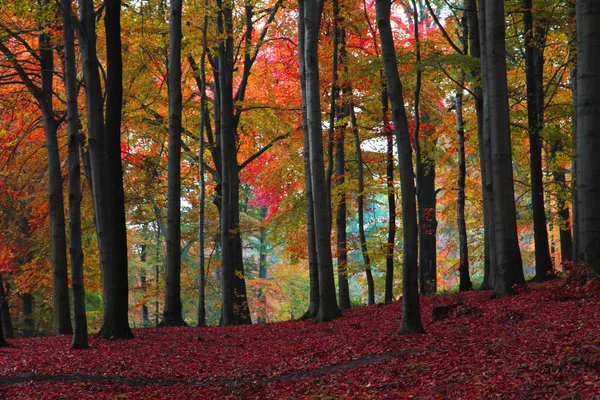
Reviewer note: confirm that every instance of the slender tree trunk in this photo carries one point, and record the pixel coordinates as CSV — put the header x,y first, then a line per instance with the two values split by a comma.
x,y
391,196
534,68
425,174
510,267
588,140
328,307
340,164
411,310
80,333
172,313
28,322
465,283
361,208
58,244
313,265
262,266
574,203
5,321
144,284
202,206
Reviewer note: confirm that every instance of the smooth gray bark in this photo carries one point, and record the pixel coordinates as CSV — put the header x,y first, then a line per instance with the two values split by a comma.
x,y
80,332
328,307
588,138
313,265
411,310
510,267
172,313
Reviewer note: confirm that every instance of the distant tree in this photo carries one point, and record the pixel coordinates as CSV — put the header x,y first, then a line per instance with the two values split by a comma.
x,y
588,137
411,310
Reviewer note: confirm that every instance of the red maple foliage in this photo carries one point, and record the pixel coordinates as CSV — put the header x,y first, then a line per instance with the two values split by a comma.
x,y
525,346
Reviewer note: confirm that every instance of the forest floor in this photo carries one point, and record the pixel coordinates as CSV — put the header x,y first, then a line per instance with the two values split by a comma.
x,y
544,342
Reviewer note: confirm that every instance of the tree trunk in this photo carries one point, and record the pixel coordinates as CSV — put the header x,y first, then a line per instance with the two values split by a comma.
x,y
463,267
58,244
465,283
313,265
172,313
478,49
328,307
411,311
116,288
340,167
534,68
425,174
510,268
361,208
5,320
144,285
28,322
391,197
588,140
80,333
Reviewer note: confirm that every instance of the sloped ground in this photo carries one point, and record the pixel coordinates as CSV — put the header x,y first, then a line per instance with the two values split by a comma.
x,y
527,346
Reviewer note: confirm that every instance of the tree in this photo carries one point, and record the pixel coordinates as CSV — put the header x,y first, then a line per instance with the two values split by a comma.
x,y
588,139
80,332
425,178
411,310
105,161
313,264
509,264
172,313
535,37
44,96
328,307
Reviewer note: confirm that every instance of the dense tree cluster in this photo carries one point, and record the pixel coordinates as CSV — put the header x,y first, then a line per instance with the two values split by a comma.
x,y
337,143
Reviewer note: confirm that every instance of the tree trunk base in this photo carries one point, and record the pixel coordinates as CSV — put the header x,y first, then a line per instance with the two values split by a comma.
x,y
113,333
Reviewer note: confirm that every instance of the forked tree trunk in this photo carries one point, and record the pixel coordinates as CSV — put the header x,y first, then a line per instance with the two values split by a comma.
x,y
478,48
411,310
588,140
80,333
313,265
328,307
510,267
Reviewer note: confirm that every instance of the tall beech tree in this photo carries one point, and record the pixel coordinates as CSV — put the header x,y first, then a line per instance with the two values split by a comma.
x,y
105,160
509,263
588,139
328,307
80,332
172,313
535,37
43,94
425,177
411,310
313,264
